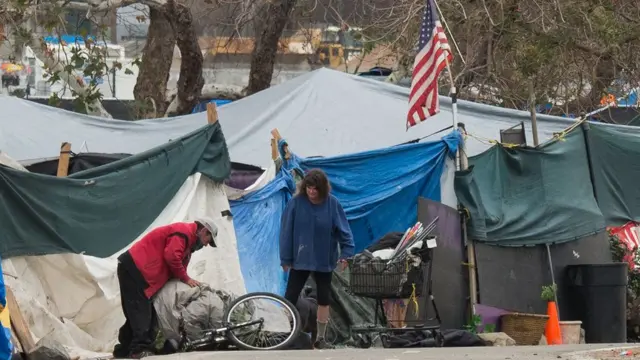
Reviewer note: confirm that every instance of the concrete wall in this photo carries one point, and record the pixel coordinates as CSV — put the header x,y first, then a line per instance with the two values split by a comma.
x,y
238,77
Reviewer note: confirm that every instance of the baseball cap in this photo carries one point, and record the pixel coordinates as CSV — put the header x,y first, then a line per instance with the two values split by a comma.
x,y
210,225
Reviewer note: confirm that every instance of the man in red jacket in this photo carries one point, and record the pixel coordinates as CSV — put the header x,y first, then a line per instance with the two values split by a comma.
x,y
162,254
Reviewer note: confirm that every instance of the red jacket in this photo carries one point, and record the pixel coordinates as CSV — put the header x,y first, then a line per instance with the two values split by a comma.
x,y
160,256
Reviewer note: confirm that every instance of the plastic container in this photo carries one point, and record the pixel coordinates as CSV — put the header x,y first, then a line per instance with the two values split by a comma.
x,y
570,331
598,294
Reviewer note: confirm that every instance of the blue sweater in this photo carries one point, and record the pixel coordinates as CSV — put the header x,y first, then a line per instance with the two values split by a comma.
x,y
311,233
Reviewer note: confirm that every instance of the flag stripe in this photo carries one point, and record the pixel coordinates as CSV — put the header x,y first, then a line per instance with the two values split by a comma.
x,y
433,54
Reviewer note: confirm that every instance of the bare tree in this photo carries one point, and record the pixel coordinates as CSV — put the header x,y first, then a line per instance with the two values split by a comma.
x,y
172,23
275,19
571,51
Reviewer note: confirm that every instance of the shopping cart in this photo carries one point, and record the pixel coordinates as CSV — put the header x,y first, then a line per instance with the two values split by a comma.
x,y
395,280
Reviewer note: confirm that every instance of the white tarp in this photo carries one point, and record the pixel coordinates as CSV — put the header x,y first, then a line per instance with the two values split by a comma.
x,y
76,297
321,113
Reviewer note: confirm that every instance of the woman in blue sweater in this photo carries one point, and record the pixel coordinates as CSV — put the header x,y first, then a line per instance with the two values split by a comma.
x,y
314,238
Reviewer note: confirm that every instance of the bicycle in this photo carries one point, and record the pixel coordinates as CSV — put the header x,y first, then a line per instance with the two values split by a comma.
x,y
224,337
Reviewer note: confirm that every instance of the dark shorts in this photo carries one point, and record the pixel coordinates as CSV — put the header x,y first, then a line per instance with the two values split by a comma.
x,y
297,280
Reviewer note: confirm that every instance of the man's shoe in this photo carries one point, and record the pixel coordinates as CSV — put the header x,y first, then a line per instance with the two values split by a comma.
x,y
141,355
322,344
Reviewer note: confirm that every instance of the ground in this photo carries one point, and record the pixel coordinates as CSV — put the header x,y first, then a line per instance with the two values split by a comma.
x,y
569,352
629,353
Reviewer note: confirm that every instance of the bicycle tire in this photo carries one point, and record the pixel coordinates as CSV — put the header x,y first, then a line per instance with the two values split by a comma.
x,y
265,295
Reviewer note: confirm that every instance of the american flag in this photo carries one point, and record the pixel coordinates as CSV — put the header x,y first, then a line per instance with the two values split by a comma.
x,y
629,235
432,57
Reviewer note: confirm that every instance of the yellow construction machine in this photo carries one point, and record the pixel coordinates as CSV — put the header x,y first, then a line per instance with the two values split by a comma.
x,y
300,49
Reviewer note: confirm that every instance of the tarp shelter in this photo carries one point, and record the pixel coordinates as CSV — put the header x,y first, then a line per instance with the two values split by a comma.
x,y
322,113
378,189
84,221
562,191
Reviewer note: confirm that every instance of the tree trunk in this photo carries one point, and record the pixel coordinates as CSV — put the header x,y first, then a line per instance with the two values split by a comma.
x,y
266,48
151,85
191,81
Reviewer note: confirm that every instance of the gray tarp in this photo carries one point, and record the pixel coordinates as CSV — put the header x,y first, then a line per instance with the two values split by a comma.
x,y
324,112
201,308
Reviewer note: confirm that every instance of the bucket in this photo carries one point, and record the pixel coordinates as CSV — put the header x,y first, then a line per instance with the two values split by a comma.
x,y
570,331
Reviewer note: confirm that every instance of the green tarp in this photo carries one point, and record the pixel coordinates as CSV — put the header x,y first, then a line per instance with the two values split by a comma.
x,y
615,158
558,192
100,211
525,196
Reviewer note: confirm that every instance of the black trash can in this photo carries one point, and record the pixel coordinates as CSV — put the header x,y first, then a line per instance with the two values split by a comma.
x,y
598,295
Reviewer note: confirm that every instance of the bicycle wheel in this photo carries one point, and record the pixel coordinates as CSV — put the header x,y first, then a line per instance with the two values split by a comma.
x,y
279,327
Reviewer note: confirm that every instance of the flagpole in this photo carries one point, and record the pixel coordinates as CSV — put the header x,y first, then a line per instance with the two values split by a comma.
x,y
454,106
462,164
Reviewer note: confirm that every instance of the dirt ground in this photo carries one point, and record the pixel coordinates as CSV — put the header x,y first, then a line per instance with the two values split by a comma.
x,y
620,354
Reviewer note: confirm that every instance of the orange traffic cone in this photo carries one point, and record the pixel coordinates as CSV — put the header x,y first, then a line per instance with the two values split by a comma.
x,y
552,330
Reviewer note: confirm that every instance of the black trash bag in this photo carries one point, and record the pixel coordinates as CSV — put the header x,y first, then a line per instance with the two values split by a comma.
x,y
422,338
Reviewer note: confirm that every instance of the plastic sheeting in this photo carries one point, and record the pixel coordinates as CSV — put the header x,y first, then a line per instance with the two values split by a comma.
x,y
6,347
614,154
200,308
98,211
90,319
256,217
324,112
395,178
379,190
558,192
525,196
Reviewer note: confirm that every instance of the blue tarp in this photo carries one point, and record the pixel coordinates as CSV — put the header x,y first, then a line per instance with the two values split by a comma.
x,y
256,218
378,190
6,348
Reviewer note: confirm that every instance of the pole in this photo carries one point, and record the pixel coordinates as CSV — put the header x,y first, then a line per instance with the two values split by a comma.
x,y
113,89
553,280
462,164
470,246
534,130
532,110
454,107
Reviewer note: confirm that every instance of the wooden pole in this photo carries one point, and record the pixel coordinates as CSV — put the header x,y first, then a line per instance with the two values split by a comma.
x,y
63,161
532,111
276,135
18,323
212,113
536,142
462,163
274,149
471,250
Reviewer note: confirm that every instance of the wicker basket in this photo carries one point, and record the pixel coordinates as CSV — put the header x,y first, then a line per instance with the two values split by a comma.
x,y
525,329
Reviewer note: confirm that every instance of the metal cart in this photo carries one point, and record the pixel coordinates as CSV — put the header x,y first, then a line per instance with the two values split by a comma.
x,y
386,280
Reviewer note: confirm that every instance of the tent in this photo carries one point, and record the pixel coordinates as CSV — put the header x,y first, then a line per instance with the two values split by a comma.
x,y
378,190
322,113
80,224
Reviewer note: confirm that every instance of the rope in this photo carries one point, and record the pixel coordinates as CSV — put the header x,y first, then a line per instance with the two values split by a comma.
x,y
413,298
490,141
453,40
